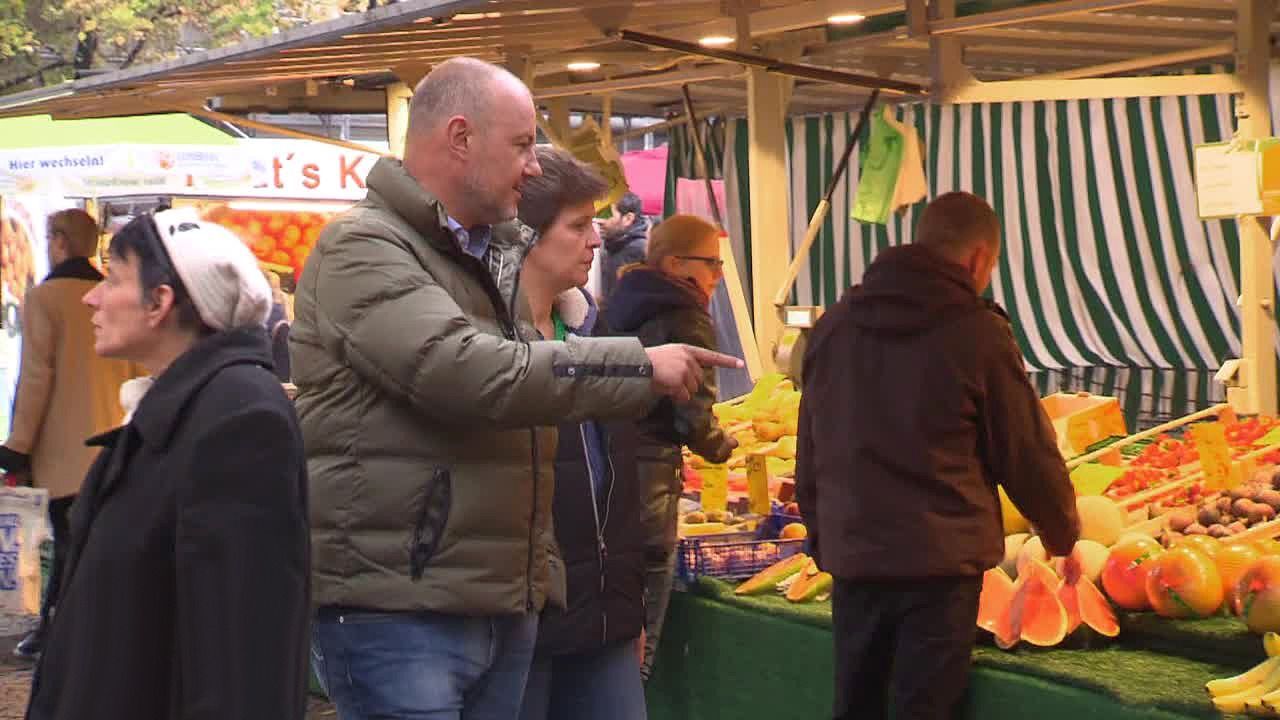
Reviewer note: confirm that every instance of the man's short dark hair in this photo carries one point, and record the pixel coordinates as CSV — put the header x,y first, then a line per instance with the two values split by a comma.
x,y
630,203
564,181
956,221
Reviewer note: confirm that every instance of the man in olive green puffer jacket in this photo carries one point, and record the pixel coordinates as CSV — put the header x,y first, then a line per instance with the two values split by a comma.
x,y
420,400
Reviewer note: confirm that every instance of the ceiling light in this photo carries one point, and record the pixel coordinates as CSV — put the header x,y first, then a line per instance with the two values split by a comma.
x,y
716,41
583,66
846,19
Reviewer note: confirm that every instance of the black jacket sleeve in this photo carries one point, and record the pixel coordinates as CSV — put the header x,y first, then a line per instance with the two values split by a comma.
x,y
242,554
1020,447
693,423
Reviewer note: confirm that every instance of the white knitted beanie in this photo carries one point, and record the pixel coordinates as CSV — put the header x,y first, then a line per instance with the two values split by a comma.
x,y
219,271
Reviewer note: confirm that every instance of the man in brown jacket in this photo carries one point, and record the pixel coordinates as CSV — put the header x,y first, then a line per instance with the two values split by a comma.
x,y
916,407
66,393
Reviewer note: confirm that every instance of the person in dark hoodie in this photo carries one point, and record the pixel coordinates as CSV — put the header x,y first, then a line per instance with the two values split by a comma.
x,y
586,665
666,300
626,232
916,407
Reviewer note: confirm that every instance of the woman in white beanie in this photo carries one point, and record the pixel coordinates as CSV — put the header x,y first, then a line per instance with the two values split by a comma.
x,y
186,590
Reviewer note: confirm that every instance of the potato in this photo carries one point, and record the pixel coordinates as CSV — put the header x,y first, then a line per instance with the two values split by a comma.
x,y
1181,519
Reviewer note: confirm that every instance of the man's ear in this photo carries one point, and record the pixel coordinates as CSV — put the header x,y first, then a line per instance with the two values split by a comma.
x,y
459,135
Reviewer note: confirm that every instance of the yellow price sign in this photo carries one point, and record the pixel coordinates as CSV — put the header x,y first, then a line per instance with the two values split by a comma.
x,y
1095,478
758,484
715,488
1215,459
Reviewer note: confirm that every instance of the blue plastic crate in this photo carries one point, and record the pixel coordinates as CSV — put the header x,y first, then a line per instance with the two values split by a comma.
x,y
731,555
771,526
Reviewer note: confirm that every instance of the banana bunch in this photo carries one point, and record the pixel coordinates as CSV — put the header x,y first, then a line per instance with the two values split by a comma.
x,y
1255,691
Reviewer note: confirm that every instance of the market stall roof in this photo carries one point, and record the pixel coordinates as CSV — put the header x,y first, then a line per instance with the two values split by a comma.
x,y
344,65
42,131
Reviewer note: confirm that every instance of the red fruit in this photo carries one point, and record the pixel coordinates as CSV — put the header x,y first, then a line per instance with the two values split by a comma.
x,y
1124,576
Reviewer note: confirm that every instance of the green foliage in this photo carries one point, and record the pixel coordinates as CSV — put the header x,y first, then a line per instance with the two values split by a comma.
x,y
45,42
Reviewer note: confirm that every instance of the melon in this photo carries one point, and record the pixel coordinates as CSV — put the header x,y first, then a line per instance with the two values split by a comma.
x,y
1090,555
993,603
1036,613
1013,520
1101,519
1094,609
1012,545
809,584
1032,551
767,579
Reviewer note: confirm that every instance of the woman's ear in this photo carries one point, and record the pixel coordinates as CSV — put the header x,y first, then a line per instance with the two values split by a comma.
x,y
160,306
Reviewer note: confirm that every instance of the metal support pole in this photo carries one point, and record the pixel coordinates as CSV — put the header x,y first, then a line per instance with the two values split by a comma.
x,y
1257,300
770,237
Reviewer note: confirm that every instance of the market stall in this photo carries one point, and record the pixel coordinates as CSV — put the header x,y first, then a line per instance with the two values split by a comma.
x,y
275,194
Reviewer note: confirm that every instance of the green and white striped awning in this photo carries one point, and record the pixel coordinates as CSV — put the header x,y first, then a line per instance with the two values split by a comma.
x,y
1105,261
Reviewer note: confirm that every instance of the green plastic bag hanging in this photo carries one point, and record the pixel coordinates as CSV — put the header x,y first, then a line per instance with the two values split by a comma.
x,y
881,158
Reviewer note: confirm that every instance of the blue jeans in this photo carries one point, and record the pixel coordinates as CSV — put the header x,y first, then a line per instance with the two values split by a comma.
x,y
591,686
423,666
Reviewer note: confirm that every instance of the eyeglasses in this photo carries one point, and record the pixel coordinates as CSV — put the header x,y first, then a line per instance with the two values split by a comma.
x,y
716,263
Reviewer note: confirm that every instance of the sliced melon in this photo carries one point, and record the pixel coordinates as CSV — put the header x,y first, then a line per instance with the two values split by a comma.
x,y
767,579
993,603
809,584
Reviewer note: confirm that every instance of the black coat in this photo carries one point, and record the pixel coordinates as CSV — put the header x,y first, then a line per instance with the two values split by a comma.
x,y
185,591
604,573
602,547
658,309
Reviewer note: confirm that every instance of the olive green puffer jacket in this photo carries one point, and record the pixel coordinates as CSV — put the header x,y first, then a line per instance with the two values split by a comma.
x,y
418,394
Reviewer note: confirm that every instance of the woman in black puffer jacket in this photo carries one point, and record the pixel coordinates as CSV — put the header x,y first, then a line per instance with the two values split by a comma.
x,y
662,301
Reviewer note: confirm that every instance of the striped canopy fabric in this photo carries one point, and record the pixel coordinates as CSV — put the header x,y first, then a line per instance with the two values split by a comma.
x,y
1105,261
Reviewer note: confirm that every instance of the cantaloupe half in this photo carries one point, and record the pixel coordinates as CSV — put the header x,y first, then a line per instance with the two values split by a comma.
x,y
1095,611
993,603
1036,615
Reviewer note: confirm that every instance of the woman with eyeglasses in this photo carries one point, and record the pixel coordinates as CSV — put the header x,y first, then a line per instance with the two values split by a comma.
x,y
185,593
663,300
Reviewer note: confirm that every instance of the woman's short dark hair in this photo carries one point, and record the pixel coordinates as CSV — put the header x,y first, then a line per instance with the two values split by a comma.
x,y
139,241
564,181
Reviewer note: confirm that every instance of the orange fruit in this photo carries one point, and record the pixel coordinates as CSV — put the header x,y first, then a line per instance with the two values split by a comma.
x,y
794,531
1184,583
1205,544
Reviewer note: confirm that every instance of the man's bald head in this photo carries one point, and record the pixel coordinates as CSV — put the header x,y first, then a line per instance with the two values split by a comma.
x,y
464,87
472,130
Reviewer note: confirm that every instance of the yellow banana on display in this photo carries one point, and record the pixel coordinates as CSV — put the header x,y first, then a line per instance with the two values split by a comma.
x,y
1271,643
1243,681
1238,701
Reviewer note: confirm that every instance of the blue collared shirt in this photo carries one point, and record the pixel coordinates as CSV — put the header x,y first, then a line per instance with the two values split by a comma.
x,y
474,241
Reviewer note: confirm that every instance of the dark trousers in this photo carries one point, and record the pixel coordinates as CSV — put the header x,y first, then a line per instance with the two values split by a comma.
x,y
903,644
59,521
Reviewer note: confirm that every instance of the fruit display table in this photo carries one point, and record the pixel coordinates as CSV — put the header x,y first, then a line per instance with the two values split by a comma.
x,y
726,657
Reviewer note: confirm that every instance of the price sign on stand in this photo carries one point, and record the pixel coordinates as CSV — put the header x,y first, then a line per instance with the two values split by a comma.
x,y
715,488
1215,458
757,484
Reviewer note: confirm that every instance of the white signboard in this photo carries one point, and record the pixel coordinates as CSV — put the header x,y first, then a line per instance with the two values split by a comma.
x,y
1227,181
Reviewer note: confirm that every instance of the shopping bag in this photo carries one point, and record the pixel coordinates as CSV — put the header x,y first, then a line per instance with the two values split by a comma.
x,y
881,161
24,525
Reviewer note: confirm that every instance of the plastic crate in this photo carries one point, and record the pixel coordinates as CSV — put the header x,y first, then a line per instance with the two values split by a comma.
x,y
771,526
730,555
